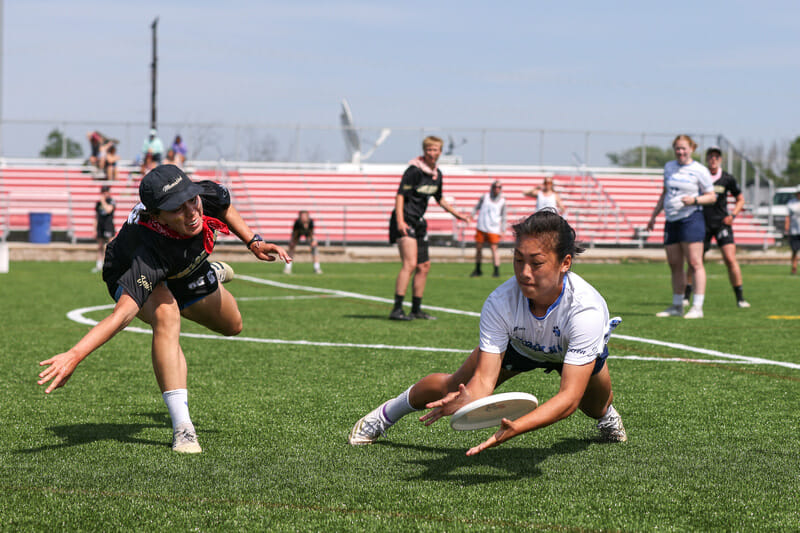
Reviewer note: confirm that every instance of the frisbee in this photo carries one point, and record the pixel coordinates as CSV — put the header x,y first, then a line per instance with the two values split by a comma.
x,y
491,410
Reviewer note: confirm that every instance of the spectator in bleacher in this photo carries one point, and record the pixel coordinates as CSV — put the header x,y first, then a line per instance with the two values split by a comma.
x,y
546,196
179,147
491,211
104,213
303,228
152,151
687,187
96,140
408,228
172,159
157,268
719,224
110,158
792,228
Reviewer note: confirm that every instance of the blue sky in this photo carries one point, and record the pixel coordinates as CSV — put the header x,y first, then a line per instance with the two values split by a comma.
x,y
728,67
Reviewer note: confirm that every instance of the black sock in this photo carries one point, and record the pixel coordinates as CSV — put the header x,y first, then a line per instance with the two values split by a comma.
x,y
398,301
688,292
738,291
478,266
416,303
496,270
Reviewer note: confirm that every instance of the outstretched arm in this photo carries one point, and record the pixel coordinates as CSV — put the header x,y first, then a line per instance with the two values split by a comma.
x,y
574,380
262,250
60,367
447,207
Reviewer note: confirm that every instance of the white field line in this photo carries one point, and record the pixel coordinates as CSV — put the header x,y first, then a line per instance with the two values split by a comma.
x,y
77,315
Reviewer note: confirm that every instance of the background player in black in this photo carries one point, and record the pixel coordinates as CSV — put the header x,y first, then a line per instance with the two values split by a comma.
x,y
408,228
104,213
303,228
157,269
719,223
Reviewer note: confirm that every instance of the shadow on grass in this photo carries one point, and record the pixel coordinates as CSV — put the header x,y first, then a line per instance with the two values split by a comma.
x,y
80,434
451,464
384,317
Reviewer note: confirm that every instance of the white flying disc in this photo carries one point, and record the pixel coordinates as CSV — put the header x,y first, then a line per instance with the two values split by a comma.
x,y
491,410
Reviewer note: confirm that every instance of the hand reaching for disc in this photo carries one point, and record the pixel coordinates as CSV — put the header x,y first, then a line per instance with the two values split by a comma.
x,y
447,405
505,432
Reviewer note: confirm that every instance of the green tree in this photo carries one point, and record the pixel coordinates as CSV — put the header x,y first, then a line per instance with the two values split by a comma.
x,y
792,172
55,146
655,157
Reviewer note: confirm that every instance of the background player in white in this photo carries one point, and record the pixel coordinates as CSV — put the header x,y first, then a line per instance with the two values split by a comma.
x,y
687,187
546,196
491,211
792,227
545,317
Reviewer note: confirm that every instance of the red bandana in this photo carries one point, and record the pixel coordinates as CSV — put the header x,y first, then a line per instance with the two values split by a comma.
x,y
210,227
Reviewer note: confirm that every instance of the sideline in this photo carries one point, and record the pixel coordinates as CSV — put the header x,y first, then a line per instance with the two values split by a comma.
x,y
78,315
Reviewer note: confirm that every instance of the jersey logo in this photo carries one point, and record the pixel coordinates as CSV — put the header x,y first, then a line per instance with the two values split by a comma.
x,y
142,282
556,331
427,189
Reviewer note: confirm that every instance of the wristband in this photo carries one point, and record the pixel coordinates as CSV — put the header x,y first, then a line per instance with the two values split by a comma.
x,y
256,238
695,201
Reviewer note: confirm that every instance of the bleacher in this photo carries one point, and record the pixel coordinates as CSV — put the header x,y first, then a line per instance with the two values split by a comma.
x,y
353,205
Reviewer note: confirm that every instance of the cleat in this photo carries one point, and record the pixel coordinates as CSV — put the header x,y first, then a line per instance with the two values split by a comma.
x,y
369,428
694,312
184,440
673,310
611,428
742,304
475,274
317,270
421,315
399,314
223,271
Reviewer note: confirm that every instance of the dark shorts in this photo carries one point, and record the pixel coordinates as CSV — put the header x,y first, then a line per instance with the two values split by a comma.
x,y
105,230
723,234
794,242
516,362
417,231
187,290
689,229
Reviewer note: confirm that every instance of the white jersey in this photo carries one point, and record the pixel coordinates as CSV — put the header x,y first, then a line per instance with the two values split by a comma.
x,y
793,207
546,200
574,330
491,213
684,180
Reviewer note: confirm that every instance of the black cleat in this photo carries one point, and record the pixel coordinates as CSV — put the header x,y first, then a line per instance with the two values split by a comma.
x,y
399,314
421,315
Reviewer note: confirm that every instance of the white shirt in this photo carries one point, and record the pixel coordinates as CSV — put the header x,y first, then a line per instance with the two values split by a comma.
x,y
574,330
546,200
491,213
793,207
684,180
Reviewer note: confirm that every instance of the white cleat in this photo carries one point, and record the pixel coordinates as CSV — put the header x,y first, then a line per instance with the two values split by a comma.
x,y
369,428
742,304
317,270
184,440
672,310
611,428
694,312
223,271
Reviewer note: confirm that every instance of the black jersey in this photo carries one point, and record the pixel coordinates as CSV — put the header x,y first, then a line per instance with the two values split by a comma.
x,y
140,258
714,213
417,187
300,230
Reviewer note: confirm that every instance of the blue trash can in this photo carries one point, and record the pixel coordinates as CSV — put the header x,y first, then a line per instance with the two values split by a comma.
x,y
39,227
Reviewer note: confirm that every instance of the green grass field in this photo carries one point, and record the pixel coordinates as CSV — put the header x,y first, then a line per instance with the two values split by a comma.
x,y
712,445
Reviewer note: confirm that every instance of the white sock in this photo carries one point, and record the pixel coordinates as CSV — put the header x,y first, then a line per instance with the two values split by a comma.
x,y
610,413
98,264
698,300
316,265
677,300
397,408
178,406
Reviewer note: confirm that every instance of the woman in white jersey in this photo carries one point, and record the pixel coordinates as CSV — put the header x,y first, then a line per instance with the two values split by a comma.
x,y
546,196
544,317
687,187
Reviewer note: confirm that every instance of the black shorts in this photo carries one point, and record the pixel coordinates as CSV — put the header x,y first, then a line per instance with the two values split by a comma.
x,y
105,230
723,234
417,231
186,290
516,362
794,242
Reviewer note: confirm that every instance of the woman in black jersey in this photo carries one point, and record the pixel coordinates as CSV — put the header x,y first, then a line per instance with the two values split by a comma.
x,y
157,269
408,228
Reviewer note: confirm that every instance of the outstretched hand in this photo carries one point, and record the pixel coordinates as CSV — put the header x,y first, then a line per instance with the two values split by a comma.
x,y
448,405
59,369
505,432
264,251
